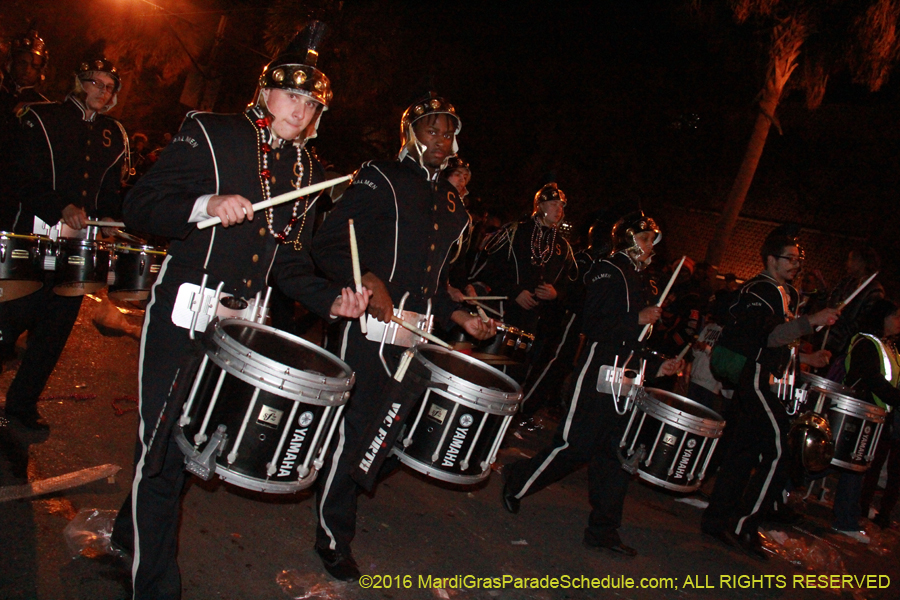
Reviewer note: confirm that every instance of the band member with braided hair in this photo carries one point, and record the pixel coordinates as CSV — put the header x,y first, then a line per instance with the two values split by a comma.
x,y
756,343
615,311
219,165
71,159
407,218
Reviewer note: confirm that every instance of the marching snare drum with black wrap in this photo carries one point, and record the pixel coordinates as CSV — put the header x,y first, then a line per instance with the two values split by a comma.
x,y
21,264
262,407
671,438
134,270
454,431
510,346
82,266
856,427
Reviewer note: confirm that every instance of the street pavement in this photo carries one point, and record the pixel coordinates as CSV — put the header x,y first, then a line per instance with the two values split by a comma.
x,y
417,537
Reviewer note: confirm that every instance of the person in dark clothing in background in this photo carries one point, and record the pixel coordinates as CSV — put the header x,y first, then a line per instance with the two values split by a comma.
x,y
71,159
615,310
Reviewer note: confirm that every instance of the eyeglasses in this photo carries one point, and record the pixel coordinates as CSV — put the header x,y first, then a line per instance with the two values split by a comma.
x,y
794,260
100,87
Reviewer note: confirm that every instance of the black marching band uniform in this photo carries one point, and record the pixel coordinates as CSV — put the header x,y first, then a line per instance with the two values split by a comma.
x,y
521,256
754,471
406,221
590,431
211,154
66,157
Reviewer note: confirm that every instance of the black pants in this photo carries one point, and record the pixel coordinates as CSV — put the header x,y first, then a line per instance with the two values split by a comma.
x,y
588,434
149,518
336,491
888,450
552,367
48,319
753,472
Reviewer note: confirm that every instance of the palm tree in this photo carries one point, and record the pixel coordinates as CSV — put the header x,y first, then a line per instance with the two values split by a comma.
x,y
862,36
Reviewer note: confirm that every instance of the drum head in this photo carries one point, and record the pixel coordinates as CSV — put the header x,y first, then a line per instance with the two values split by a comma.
x,y
13,290
814,381
469,369
684,405
284,348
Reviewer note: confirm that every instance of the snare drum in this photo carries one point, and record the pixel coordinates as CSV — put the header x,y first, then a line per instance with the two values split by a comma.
x,y
673,439
133,272
21,264
510,346
82,267
262,407
856,427
454,431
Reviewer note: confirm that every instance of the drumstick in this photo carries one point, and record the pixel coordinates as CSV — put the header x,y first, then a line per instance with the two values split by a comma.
x,y
417,331
684,351
488,308
485,297
105,223
663,296
482,314
282,198
357,274
850,298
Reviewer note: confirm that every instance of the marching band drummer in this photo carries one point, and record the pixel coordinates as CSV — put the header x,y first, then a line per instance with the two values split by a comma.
x,y
615,310
406,218
755,344
529,262
218,165
71,163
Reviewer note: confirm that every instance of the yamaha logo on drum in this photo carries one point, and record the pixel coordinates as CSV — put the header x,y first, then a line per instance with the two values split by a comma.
x,y
466,420
691,443
305,419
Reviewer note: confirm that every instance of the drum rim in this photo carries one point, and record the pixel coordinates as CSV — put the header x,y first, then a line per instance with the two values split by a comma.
x,y
24,236
70,241
662,411
246,481
221,340
837,396
859,408
133,249
435,473
823,383
668,484
456,382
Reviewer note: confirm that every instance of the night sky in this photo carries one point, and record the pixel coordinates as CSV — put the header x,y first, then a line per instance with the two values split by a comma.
x,y
624,104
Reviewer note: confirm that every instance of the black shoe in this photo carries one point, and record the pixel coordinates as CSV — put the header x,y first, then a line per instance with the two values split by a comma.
x,y
510,502
616,547
342,568
28,420
784,516
726,538
749,542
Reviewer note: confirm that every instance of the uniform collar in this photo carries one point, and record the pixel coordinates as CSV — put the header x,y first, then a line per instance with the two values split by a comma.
x,y
81,107
412,163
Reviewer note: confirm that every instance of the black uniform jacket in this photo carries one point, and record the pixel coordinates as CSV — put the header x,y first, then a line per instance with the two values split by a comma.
x,y
219,154
761,324
405,225
65,159
614,296
509,270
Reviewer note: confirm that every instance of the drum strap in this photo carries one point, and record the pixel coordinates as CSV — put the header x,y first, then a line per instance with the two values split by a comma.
x,y
178,393
385,426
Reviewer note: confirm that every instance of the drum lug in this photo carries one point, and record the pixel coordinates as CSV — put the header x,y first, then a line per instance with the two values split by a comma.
x,y
203,464
630,464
